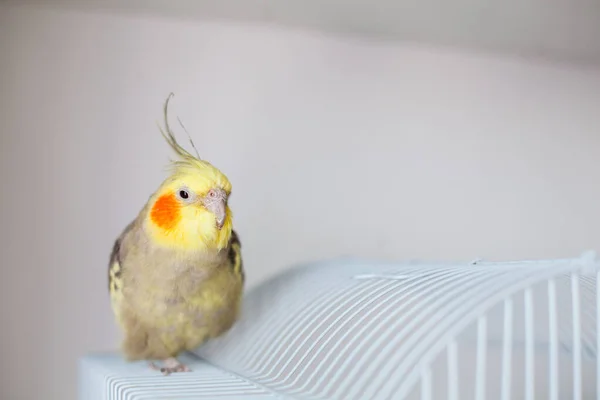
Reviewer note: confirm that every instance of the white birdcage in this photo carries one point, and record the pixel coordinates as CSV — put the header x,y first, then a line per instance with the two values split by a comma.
x,y
352,329
363,330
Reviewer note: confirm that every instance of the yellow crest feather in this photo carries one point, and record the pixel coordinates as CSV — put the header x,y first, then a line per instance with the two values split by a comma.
x,y
187,162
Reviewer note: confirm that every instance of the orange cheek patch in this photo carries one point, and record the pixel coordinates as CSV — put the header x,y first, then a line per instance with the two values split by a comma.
x,y
166,212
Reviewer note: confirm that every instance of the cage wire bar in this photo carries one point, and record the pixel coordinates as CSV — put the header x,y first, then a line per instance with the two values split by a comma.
x,y
597,335
481,358
553,350
529,343
576,336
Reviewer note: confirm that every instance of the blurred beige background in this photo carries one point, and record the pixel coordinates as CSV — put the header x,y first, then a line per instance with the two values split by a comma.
x,y
335,146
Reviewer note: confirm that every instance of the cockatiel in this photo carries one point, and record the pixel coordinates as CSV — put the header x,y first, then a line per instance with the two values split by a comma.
x,y
175,272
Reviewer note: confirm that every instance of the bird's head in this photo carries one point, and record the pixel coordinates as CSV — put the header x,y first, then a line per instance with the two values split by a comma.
x,y
190,208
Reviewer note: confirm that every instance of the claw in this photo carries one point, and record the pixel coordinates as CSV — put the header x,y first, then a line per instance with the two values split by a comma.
x,y
171,366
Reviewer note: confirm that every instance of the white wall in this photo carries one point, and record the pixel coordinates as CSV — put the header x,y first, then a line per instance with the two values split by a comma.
x,y
334,147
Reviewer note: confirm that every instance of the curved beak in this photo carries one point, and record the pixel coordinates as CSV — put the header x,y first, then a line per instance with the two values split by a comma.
x,y
216,203
219,211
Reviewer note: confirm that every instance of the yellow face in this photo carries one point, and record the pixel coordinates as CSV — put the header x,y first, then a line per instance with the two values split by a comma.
x,y
190,210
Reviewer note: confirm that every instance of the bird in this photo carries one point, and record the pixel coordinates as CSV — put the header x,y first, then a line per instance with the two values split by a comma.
x,y
176,274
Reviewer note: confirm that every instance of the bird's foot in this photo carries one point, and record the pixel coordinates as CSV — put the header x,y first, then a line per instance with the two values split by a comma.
x,y
170,365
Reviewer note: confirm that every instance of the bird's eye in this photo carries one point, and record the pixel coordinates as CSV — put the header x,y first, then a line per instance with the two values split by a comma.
x,y
212,194
184,194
